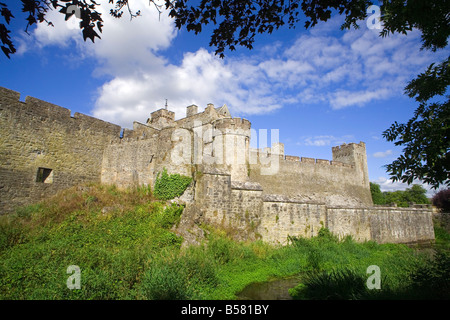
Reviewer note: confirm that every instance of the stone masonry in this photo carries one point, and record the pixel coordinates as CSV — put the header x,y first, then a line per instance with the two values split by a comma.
x,y
256,193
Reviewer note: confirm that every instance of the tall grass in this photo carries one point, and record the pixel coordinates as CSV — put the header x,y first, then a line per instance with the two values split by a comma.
x,y
124,244
340,271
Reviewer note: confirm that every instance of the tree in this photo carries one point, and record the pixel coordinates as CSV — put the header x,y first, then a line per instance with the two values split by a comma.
x,y
399,197
442,200
377,195
425,137
91,22
417,194
403,198
37,10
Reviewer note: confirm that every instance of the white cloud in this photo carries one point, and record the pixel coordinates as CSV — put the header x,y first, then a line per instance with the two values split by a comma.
x,y
325,140
382,154
341,71
353,68
345,98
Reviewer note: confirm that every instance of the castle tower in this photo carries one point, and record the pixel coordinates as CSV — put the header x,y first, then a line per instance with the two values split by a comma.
x,y
162,118
231,144
191,110
355,155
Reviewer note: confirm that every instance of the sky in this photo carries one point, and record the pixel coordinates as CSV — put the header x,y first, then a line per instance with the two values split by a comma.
x,y
320,87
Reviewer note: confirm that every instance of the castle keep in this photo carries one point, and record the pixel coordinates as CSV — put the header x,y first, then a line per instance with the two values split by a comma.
x,y
259,193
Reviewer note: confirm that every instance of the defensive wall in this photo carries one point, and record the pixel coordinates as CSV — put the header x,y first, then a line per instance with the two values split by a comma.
x,y
44,149
259,193
244,208
323,181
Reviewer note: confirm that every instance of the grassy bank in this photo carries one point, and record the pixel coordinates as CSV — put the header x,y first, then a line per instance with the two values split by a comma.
x,y
123,243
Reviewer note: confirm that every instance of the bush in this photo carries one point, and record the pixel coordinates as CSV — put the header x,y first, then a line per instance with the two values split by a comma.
x,y
200,269
326,235
442,200
170,186
221,249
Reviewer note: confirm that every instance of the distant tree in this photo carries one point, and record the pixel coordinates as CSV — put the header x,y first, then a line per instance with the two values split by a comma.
x,y
442,200
417,194
403,198
377,195
398,197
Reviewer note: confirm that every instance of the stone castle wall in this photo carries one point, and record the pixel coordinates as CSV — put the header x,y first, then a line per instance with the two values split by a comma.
x,y
36,134
322,181
254,215
259,193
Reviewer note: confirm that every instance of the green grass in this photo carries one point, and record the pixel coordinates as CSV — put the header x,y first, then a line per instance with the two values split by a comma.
x,y
125,247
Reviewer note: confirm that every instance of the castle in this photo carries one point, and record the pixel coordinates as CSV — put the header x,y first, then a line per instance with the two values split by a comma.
x,y
259,193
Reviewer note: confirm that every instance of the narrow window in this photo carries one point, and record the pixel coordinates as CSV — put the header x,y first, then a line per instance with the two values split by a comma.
x,y
44,175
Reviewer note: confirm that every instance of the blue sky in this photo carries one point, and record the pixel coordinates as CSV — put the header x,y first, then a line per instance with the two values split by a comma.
x,y
320,87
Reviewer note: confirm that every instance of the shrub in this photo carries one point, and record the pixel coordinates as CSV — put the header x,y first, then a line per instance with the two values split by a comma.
x,y
169,186
442,200
200,269
326,235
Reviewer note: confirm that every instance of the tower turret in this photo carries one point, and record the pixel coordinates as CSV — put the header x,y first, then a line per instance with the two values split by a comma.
x,y
231,143
355,155
162,118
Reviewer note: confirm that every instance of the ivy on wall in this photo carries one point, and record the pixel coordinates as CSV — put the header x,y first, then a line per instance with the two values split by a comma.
x,y
169,186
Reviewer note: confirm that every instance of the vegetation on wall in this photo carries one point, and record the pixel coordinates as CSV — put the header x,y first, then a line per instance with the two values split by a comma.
x,y
416,194
169,186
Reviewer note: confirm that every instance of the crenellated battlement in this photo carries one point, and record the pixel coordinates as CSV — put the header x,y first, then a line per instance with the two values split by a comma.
x,y
9,94
353,154
36,135
348,148
313,161
226,124
36,110
277,149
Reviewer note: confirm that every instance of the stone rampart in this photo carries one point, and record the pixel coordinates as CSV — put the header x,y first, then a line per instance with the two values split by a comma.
x,y
389,224
322,181
244,207
44,149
